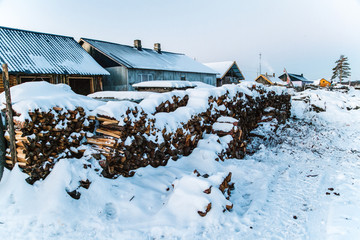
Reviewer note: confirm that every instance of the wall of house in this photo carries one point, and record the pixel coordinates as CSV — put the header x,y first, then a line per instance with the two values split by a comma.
x,y
100,58
137,75
92,83
117,80
12,81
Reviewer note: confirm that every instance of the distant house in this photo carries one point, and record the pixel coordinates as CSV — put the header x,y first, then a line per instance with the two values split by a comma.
x,y
324,83
296,79
270,80
129,65
34,56
227,72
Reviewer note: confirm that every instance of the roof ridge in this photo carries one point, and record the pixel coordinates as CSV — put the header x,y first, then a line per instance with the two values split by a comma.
x,y
36,32
123,45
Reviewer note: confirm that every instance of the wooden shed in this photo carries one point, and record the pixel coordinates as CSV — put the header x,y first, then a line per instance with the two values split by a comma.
x,y
267,79
129,65
227,72
34,56
324,83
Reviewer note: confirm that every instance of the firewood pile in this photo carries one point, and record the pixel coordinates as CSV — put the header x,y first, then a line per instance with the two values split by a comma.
x,y
131,144
47,136
135,138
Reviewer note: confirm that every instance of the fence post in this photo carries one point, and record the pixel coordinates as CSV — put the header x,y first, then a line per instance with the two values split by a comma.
x,y
9,111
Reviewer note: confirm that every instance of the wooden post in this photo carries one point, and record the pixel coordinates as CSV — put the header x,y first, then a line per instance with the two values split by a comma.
x,y
2,147
5,77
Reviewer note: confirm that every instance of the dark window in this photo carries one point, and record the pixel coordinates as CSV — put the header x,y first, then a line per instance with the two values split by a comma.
x,y
34,79
81,85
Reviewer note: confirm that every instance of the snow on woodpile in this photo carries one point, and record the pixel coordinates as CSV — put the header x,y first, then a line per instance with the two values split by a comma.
x,y
51,122
132,135
121,95
171,100
150,133
43,96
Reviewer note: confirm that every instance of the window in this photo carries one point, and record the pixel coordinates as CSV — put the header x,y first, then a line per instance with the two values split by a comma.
x,y
183,78
145,77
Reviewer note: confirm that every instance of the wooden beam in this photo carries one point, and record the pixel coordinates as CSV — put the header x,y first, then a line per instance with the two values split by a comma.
x,y
5,76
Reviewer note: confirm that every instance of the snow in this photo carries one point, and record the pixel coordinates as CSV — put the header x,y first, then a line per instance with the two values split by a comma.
x,y
120,95
44,96
302,182
220,67
130,57
41,53
165,84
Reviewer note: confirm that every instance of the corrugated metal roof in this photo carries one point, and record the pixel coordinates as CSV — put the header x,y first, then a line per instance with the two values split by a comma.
x,y
42,53
131,57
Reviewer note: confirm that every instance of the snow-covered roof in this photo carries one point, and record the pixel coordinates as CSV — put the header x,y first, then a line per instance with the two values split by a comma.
x,y
131,57
165,84
222,67
42,53
272,80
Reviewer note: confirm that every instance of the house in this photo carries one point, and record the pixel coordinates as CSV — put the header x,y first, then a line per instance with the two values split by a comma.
x,y
35,56
296,79
129,65
324,83
227,72
269,80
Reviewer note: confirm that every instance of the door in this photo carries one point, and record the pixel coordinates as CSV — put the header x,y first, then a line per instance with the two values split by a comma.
x,y
81,86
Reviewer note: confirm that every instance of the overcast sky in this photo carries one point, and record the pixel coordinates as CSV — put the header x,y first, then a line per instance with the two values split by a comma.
x,y
305,36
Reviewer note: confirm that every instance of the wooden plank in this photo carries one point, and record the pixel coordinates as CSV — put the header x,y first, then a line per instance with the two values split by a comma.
x,y
116,134
108,120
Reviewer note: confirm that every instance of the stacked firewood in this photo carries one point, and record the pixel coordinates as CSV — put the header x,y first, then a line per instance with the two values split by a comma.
x,y
132,141
126,146
47,136
137,143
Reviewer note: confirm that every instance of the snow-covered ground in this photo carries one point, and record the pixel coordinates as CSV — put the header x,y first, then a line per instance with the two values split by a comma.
x,y
302,182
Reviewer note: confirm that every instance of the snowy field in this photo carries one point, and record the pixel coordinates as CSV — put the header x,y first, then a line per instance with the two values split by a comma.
x,y
302,182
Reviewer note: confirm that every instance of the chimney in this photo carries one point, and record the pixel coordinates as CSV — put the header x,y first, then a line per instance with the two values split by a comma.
x,y
302,75
137,44
157,47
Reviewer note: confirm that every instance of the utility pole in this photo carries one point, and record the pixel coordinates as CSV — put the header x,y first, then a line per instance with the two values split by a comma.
x,y
260,63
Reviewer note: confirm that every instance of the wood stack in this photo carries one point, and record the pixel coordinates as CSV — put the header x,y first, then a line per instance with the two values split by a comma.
x,y
46,136
128,147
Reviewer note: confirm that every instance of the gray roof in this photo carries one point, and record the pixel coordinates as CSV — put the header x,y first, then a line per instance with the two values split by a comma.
x,y
41,53
131,57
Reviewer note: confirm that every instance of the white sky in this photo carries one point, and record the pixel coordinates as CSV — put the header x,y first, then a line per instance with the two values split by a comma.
x,y
305,36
